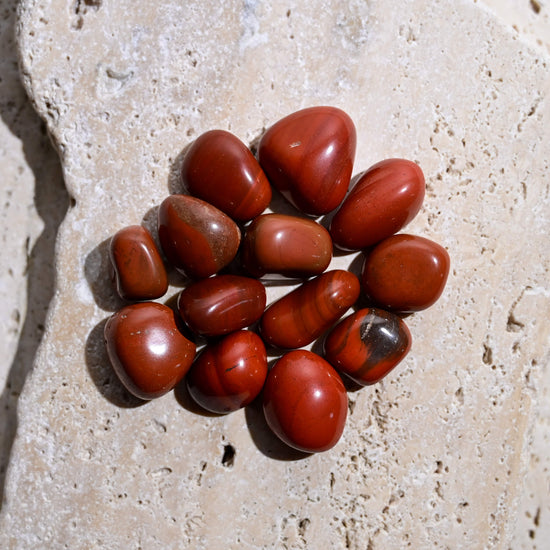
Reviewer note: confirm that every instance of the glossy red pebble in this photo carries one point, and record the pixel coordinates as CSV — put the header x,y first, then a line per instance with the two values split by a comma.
x,y
196,237
301,316
385,199
139,270
405,273
229,374
220,169
305,402
148,352
308,156
367,345
222,304
286,245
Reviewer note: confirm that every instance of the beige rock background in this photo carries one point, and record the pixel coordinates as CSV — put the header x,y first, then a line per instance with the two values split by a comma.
x,y
437,455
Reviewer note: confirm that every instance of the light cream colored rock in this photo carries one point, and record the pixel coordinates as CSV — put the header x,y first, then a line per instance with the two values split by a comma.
x,y
33,201
434,455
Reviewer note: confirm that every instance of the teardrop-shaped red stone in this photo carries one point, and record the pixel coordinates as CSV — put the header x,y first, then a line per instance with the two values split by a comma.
x,y
384,199
196,237
301,316
221,170
308,156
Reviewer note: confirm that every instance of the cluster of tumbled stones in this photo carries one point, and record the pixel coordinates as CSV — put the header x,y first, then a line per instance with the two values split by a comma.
x,y
219,237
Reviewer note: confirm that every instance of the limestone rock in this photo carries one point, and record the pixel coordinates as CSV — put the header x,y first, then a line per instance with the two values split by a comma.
x,y
434,455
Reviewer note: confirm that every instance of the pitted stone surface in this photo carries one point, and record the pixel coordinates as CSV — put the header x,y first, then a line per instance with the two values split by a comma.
x,y
432,457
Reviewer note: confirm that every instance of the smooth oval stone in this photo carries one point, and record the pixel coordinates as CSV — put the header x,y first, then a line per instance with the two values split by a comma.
x,y
305,402
308,156
301,316
139,270
221,170
405,273
148,351
367,345
286,245
229,374
385,199
222,304
196,237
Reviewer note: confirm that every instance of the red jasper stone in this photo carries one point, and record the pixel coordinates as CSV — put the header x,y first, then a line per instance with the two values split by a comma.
x,y
301,316
367,345
305,402
139,271
196,237
405,273
222,304
385,199
147,350
229,374
308,156
221,170
287,245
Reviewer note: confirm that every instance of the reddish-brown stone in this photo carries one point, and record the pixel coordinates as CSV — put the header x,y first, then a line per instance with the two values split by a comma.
x,y
308,156
221,170
368,344
196,237
147,350
305,402
385,199
222,304
138,267
301,316
405,273
229,374
287,245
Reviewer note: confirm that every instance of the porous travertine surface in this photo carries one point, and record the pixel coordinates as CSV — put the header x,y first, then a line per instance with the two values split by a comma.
x,y
435,455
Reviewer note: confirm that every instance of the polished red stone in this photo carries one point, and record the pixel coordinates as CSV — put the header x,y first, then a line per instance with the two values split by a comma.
x,y
222,304
308,156
196,237
301,316
405,273
305,402
286,245
367,345
138,267
385,199
147,350
229,374
221,170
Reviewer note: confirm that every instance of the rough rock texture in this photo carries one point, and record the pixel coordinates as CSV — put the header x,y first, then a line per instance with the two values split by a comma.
x,y
432,457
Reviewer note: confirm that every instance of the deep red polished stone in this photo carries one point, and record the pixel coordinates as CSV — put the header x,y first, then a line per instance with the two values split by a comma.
x,y
305,402
301,316
196,237
287,245
405,273
221,170
385,199
139,270
147,350
229,374
308,156
368,344
222,304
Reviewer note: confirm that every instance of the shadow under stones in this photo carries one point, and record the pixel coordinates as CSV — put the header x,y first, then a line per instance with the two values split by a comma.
x,y
51,201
